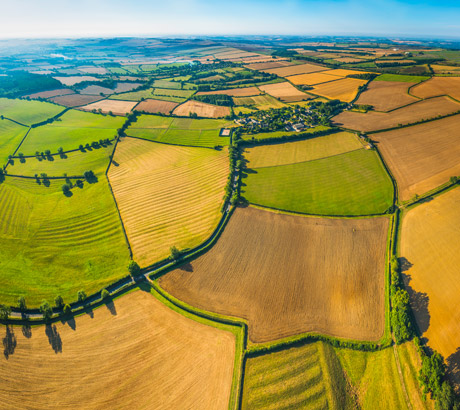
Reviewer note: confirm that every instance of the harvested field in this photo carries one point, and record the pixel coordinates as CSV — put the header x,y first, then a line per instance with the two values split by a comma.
x,y
386,95
52,93
117,107
348,60
312,79
96,90
445,69
261,102
156,106
374,121
178,193
79,362
295,69
269,64
72,80
75,100
340,72
344,89
303,377
285,92
423,156
438,86
11,135
234,92
28,112
266,268
429,248
201,109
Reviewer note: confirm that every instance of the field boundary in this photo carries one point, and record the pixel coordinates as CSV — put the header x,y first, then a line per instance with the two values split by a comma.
x,y
169,143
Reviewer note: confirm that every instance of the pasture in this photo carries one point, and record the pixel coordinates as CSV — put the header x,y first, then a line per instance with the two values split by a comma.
x,y
419,111
28,112
438,86
117,107
285,92
156,106
353,182
429,250
134,95
11,135
266,268
178,193
261,102
69,364
201,110
401,78
423,156
177,94
52,244
72,129
344,89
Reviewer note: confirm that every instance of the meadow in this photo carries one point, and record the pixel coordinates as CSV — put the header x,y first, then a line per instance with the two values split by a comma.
x,y
28,112
11,135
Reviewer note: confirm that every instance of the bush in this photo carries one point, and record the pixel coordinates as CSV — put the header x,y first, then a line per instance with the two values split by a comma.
x,y
67,309
66,189
175,253
134,269
105,294
58,301
81,296
46,310
22,303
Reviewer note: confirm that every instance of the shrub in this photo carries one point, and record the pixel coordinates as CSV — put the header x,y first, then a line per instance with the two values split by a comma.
x,y
67,309
58,301
46,310
134,269
105,294
22,303
81,296
175,253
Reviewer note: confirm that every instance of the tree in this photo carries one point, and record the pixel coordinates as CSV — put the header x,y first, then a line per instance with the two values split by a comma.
x,y
134,269
105,294
58,301
5,312
175,253
81,295
89,176
453,180
22,303
46,310
66,189
400,316
67,309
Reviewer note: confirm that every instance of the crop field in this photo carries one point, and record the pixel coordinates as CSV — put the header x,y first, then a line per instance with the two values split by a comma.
x,y
340,72
303,377
344,89
276,134
72,80
178,193
267,269
74,128
117,107
386,95
285,92
172,95
423,156
234,92
374,121
75,100
201,109
96,90
28,112
295,69
261,102
313,78
269,64
176,85
429,239
401,78
70,364
11,135
134,95
351,181
52,93
54,244
438,86
156,106
445,69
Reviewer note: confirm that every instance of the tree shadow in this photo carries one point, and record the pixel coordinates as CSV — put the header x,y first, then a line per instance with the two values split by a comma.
x,y
69,320
22,160
419,301
453,369
63,156
54,338
27,331
187,267
46,182
111,306
50,158
115,163
9,342
89,311
68,194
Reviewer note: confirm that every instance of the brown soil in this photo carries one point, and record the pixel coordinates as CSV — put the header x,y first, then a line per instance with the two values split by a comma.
x,y
75,100
156,106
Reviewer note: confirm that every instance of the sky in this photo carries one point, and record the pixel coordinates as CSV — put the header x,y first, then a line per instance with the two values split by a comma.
x,y
92,18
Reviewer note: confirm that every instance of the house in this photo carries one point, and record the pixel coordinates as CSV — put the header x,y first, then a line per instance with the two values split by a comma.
x,y
298,127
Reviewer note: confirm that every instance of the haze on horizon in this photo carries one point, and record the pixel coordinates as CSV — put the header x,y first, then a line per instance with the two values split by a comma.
x,y
85,18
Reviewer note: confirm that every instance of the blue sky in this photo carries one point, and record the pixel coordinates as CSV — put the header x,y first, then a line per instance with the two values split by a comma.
x,y
73,18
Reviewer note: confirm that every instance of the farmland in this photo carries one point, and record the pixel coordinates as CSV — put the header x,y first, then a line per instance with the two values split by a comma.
x,y
247,267
313,79
234,92
420,111
176,177
295,69
136,336
28,112
156,106
351,181
277,134
438,86
429,249
285,92
261,102
75,100
344,89
44,249
72,80
201,110
11,135
423,156
52,93
117,107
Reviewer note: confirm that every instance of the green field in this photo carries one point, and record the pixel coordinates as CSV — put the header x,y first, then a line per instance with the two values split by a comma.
x,y
74,163
28,112
401,78
53,245
276,134
133,96
180,131
352,183
307,377
11,135
176,85
73,128
166,92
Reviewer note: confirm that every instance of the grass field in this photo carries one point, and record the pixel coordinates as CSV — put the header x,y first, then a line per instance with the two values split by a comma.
x,y
261,102
386,95
183,94
201,109
28,112
175,85
438,86
374,121
178,193
133,96
70,364
267,269
344,89
423,156
345,183
74,128
429,237
303,377
52,244
401,78
11,135
285,92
